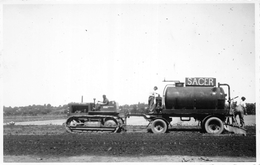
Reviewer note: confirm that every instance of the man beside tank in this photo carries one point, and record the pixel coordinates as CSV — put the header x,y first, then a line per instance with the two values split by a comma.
x,y
152,99
102,103
240,110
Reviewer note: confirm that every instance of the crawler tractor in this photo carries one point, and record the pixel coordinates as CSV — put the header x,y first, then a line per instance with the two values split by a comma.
x,y
85,117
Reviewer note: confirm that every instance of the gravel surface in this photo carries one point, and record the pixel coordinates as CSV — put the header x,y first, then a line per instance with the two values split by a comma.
x,y
53,143
130,144
38,142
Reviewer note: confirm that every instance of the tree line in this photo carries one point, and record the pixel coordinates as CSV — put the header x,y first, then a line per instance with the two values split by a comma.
x,y
33,110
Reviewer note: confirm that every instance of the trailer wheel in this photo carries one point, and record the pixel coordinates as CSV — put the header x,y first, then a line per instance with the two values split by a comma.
x,y
214,125
159,126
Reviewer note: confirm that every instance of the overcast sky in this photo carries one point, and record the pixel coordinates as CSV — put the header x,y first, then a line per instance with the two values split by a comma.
x,y
56,53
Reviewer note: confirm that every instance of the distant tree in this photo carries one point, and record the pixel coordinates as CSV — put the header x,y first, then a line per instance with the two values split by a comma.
x,y
134,109
250,108
48,105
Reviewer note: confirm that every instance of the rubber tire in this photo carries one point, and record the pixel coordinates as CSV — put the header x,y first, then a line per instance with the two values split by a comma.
x,y
214,125
159,126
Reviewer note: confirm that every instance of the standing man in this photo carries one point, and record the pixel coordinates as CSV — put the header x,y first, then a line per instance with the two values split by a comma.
x,y
152,99
240,110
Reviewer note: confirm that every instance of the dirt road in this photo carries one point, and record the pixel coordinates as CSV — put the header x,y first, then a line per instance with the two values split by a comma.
x,y
165,158
249,121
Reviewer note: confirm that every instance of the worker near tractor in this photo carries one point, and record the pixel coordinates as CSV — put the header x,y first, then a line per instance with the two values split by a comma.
x,y
152,99
240,110
102,103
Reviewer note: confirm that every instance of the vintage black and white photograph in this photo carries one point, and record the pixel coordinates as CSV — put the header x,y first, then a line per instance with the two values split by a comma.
x,y
129,81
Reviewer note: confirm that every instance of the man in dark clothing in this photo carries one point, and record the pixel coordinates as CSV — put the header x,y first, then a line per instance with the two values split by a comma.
x,y
102,103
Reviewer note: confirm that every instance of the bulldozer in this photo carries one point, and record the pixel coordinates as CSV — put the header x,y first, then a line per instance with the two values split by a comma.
x,y
87,117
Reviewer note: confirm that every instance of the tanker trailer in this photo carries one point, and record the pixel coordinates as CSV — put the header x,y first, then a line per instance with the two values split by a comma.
x,y
200,99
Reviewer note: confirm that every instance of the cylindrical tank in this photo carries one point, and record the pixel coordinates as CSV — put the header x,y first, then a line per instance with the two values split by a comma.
x,y
194,97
